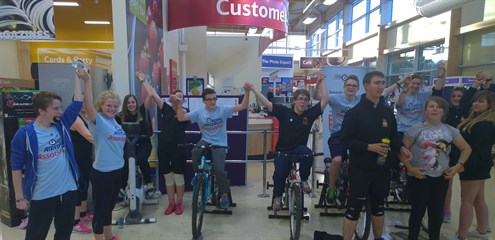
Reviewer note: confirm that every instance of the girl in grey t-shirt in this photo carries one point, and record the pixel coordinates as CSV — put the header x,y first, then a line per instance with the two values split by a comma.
x,y
429,171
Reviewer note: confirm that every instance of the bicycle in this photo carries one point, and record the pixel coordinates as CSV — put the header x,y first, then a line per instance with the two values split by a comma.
x,y
205,188
363,227
293,194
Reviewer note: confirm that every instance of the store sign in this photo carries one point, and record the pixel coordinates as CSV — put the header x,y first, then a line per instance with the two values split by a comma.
x,y
29,22
255,13
319,62
251,13
268,61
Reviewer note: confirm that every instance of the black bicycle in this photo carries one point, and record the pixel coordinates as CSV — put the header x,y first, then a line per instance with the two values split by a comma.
x,y
205,187
293,193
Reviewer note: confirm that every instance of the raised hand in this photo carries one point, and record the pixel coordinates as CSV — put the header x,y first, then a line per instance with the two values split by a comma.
x,y
140,76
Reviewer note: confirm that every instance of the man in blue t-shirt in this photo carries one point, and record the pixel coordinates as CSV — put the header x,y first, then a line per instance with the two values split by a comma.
x,y
44,149
212,122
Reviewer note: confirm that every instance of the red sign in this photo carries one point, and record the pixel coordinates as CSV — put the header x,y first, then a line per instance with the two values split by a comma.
x,y
255,13
173,76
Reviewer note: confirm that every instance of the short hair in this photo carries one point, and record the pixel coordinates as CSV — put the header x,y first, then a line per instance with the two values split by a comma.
x,y
301,91
441,103
206,92
367,78
103,97
176,91
43,100
417,76
353,77
459,89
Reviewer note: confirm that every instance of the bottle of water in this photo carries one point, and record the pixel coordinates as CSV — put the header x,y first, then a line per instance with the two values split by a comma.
x,y
381,159
77,64
120,220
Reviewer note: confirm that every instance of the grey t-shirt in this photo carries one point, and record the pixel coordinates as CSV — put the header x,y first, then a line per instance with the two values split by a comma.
x,y
431,147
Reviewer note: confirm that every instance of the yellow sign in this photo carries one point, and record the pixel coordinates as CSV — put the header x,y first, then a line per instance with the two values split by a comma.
x,y
100,58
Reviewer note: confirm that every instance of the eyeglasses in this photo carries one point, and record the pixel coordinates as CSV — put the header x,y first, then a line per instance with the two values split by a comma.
x,y
351,85
210,99
303,99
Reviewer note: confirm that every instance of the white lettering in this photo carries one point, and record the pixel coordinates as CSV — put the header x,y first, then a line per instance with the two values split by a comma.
x,y
244,9
9,35
219,8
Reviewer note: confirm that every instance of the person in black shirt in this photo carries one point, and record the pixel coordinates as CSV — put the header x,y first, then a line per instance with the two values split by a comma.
x,y
295,125
363,129
269,94
172,159
132,112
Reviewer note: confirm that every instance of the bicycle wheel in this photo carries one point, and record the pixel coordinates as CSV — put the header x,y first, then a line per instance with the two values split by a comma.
x,y
295,210
364,223
198,206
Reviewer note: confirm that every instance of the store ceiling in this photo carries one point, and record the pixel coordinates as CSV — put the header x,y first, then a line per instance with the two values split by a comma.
x,y
69,21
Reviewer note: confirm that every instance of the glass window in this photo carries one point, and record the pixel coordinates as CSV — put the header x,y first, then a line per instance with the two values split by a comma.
x,y
402,63
365,17
402,9
292,44
479,47
430,56
333,37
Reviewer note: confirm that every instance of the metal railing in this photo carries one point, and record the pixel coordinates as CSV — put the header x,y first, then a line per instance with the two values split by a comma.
x,y
265,160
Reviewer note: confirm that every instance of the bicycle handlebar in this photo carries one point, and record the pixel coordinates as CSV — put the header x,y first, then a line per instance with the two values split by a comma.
x,y
298,155
208,146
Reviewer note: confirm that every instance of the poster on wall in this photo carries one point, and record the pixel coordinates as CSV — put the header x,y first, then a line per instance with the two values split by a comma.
x,y
145,34
283,86
26,20
195,86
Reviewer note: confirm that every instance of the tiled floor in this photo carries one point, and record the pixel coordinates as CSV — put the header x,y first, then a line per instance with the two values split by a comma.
x,y
250,218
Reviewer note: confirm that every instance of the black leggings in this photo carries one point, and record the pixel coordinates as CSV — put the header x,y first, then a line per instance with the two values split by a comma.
x,y
106,186
428,193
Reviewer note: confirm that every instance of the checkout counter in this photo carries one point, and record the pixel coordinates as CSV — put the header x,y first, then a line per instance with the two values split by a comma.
x,y
259,122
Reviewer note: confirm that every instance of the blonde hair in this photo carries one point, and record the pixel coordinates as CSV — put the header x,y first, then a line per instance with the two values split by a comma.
x,y
103,97
488,115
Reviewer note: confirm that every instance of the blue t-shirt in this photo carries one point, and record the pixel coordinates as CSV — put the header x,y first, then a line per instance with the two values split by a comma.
x,y
431,147
213,125
411,111
340,105
53,176
109,139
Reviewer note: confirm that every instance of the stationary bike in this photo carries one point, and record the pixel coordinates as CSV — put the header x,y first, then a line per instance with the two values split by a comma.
x,y
136,194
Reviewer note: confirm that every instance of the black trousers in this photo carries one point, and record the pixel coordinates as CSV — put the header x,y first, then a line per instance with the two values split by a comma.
x,y
60,209
428,193
106,186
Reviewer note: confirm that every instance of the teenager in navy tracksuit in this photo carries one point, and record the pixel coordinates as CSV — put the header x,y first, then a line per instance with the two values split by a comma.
x,y
44,149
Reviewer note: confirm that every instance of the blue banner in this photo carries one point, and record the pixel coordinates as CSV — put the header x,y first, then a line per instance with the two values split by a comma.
x,y
270,61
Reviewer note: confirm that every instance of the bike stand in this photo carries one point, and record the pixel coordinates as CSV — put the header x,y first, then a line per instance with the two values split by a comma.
x,y
283,216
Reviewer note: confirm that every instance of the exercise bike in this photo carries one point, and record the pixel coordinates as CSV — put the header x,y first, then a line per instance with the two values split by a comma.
x,y
136,194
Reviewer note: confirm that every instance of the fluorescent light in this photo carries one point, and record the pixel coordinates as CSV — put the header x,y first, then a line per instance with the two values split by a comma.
x,y
252,30
319,31
96,22
215,33
66,4
309,20
329,2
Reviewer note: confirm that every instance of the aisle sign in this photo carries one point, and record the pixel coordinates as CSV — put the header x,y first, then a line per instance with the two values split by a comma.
x,y
271,61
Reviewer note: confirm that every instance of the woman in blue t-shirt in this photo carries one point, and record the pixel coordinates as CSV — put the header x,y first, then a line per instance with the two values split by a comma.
x,y
109,139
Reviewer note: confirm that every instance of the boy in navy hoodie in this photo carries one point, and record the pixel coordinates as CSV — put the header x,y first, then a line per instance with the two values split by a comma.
x,y
44,149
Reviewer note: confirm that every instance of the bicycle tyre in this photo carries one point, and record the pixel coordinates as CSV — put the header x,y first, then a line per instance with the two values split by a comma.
x,y
363,227
198,206
295,210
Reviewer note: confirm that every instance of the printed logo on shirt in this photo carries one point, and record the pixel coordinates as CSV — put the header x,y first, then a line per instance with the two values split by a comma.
x,y
118,135
341,113
412,109
305,121
212,124
431,153
54,149
384,123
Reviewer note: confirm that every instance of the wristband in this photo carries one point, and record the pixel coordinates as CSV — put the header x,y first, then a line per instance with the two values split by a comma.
x,y
141,81
461,163
398,86
19,200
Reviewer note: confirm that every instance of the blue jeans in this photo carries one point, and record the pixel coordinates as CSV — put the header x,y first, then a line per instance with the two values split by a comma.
x,y
282,168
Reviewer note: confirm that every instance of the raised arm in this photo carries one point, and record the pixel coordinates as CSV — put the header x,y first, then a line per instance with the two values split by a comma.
x,y
245,100
387,91
324,99
79,126
261,98
88,93
77,89
441,77
149,89
182,116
